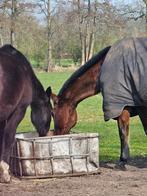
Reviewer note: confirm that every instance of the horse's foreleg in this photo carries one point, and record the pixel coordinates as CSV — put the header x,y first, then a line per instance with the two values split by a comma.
x,y
142,111
123,126
7,142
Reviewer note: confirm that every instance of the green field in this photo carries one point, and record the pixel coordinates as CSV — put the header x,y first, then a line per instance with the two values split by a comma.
x,y
90,119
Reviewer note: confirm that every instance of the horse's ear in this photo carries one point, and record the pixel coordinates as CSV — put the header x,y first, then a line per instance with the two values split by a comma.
x,y
49,91
54,98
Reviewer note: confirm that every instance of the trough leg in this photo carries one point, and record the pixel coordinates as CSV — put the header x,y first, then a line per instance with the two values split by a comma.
x,y
123,126
7,140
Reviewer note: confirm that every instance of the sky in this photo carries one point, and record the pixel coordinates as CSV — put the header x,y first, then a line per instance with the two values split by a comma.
x,y
124,1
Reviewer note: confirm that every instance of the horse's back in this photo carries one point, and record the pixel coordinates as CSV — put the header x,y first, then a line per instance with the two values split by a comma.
x,y
15,81
9,49
13,64
123,76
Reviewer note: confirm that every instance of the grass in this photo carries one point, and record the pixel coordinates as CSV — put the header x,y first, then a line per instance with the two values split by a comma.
x,y
90,119
60,62
65,62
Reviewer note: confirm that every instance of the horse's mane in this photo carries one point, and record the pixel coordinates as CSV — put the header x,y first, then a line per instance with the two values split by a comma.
x,y
83,69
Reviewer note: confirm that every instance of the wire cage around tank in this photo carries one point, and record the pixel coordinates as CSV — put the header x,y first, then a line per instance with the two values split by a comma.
x,y
55,156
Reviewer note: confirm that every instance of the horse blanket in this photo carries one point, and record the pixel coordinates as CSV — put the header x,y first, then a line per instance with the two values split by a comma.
x,y
123,77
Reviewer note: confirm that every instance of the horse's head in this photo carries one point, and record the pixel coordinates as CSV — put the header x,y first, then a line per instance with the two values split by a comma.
x,y
41,113
64,115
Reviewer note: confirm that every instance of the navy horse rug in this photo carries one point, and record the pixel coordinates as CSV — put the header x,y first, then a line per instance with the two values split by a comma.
x,y
123,78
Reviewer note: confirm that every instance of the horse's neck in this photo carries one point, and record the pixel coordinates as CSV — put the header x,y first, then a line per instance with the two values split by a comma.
x,y
38,90
84,87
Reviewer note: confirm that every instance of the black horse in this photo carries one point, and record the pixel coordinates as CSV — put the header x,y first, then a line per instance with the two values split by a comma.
x,y
19,88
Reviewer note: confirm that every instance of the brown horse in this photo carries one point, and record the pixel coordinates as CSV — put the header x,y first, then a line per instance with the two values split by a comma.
x,y
19,88
100,74
81,84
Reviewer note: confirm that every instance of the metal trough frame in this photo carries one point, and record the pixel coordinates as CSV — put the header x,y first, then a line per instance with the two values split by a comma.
x,y
16,160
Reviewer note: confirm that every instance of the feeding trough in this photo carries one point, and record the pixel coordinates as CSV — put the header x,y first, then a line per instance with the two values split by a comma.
x,y
55,156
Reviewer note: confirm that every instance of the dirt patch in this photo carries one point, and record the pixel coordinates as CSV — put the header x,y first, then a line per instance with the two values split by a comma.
x,y
110,182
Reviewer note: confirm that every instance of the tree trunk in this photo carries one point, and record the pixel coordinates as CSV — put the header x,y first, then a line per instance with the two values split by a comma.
x,y
92,39
145,2
13,18
1,30
86,31
146,16
1,40
49,55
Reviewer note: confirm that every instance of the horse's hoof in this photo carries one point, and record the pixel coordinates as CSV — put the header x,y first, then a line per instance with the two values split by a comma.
x,y
5,178
121,166
4,172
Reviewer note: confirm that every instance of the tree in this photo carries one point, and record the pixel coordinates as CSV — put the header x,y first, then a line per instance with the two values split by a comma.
x,y
90,19
49,36
13,16
137,12
3,21
11,10
86,15
45,6
69,28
